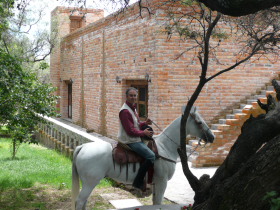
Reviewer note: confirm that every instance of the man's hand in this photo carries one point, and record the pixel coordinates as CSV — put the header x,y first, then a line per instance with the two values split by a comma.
x,y
148,133
149,121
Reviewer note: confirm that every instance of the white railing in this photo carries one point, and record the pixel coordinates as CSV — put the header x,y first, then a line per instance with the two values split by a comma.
x,y
62,137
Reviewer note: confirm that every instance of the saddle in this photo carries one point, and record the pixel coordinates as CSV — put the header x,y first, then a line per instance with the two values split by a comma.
x,y
123,155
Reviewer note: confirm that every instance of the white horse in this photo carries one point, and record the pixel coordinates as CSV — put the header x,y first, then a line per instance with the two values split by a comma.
x,y
93,161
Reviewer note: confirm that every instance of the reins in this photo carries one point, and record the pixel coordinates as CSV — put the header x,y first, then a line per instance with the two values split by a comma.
x,y
164,133
200,127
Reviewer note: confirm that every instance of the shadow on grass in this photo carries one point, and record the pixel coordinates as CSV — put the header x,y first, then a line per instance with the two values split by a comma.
x,y
19,199
38,197
16,194
22,158
19,183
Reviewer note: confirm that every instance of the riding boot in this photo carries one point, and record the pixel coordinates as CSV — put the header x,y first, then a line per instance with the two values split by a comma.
x,y
139,179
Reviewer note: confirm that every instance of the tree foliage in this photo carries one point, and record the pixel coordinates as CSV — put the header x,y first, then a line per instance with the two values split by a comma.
x,y
23,98
22,37
239,7
5,12
234,8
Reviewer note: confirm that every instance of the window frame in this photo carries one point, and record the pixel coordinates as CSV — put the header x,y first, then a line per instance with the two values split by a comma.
x,y
138,84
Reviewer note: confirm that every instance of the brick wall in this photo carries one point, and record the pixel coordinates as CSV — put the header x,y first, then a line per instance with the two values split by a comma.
x,y
129,47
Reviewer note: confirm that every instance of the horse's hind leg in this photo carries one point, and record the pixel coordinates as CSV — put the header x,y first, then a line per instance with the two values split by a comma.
x,y
87,188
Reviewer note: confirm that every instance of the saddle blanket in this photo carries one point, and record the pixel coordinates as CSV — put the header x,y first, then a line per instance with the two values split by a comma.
x,y
122,154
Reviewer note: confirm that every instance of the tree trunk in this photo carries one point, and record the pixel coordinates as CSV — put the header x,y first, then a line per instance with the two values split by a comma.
x,y
239,7
250,170
248,186
14,145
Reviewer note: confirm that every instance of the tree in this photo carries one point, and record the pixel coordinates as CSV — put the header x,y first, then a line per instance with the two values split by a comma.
x,y
23,38
239,7
5,12
22,96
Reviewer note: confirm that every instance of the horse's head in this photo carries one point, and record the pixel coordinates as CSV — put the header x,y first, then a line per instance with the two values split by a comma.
x,y
196,126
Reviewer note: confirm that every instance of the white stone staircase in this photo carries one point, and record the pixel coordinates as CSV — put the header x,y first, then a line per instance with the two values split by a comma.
x,y
227,129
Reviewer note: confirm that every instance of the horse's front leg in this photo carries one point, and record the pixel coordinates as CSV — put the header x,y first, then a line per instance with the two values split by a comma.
x,y
158,190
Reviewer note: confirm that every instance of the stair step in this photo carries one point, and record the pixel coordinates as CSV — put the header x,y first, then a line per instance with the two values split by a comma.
x,y
270,92
230,116
240,115
235,111
215,126
222,121
216,132
219,126
192,141
267,92
263,100
233,122
249,101
242,106
270,88
259,96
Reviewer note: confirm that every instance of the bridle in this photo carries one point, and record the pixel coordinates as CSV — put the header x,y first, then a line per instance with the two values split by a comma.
x,y
199,123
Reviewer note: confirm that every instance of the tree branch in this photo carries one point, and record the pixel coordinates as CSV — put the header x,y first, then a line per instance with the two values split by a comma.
x,y
277,89
239,7
6,47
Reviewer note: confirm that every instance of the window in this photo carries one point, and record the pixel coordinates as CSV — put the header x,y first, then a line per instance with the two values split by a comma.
x,y
75,22
142,100
70,100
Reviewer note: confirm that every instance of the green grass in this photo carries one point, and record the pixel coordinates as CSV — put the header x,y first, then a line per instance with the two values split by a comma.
x,y
33,163
34,173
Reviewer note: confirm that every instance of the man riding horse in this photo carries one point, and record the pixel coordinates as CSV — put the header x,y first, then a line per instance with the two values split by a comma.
x,y
130,133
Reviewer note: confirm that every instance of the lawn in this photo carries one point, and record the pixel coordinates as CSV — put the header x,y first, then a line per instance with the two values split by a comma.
x,y
39,178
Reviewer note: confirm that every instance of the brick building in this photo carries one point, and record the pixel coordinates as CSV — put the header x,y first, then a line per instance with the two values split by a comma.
x,y
97,59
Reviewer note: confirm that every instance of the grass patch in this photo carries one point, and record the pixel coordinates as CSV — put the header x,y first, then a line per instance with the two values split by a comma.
x,y
33,163
36,178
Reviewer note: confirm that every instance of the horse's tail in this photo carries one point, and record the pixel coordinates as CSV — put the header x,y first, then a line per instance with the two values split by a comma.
x,y
75,178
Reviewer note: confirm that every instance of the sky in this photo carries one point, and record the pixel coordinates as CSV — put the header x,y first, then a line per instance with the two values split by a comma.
x,y
48,5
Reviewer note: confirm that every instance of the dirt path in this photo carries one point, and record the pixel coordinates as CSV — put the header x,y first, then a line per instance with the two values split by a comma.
x,y
44,197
